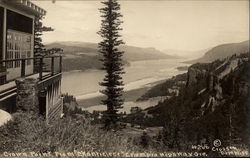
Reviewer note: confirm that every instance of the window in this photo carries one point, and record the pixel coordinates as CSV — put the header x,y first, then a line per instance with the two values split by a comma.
x,y
18,46
17,55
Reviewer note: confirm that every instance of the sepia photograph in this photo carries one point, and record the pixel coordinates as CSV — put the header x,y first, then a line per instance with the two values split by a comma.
x,y
124,78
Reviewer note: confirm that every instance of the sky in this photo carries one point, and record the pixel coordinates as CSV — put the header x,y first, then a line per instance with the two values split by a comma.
x,y
163,24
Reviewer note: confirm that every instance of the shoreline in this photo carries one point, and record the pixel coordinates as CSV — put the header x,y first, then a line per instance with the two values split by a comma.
x,y
135,85
130,96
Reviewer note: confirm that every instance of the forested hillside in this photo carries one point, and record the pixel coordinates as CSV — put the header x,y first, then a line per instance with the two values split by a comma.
x,y
213,104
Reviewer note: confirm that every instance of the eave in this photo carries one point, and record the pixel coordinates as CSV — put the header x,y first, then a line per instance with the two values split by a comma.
x,y
27,6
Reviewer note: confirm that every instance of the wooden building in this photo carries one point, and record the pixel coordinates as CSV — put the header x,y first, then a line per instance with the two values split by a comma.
x,y
17,18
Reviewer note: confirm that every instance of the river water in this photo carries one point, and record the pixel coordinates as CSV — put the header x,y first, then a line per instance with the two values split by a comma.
x,y
84,84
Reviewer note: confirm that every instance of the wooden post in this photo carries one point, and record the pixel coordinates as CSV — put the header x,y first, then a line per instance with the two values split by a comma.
x,y
52,66
3,73
4,35
22,67
41,69
60,64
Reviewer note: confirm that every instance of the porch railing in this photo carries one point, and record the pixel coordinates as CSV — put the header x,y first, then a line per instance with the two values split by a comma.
x,y
46,66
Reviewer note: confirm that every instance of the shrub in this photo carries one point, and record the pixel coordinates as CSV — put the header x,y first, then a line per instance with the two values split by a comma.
x,y
29,132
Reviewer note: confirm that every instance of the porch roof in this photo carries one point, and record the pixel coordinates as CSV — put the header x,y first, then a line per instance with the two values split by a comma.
x,y
26,5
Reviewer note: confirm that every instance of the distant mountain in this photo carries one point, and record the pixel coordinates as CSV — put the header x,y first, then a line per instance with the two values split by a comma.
x,y
185,53
137,53
222,51
75,47
132,53
83,55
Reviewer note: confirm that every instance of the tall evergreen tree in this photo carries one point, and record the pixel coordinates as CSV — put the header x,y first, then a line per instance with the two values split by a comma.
x,y
39,48
112,62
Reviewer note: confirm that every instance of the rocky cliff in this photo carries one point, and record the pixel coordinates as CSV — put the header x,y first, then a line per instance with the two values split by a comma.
x,y
214,103
207,79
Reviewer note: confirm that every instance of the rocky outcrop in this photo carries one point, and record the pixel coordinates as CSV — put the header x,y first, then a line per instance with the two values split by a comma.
x,y
218,92
204,75
194,75
203,79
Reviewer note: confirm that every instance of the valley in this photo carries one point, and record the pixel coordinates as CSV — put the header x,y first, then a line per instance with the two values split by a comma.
x,y
84,56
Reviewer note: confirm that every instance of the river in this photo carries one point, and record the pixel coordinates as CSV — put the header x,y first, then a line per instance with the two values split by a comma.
x,y
84,84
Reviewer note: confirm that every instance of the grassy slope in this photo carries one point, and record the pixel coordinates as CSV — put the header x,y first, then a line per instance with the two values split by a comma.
x,y
28,132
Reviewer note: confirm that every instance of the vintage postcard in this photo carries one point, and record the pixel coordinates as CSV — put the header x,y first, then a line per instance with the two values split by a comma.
x,y
124,78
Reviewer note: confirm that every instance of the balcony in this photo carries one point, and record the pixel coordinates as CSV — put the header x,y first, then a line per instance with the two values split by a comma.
x,y
47,71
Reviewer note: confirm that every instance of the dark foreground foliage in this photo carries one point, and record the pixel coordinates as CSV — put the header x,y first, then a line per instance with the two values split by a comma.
x,y
29,132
